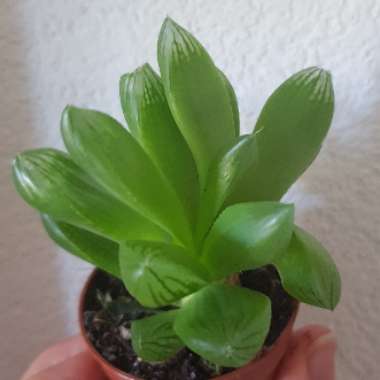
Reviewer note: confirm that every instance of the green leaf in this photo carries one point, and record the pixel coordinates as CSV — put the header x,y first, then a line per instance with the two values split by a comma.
x,y
247,236
97,250
151,123
226,325
224,173
308,272
105,150
233,102
292,125
154,339
158,274
197,94
51,182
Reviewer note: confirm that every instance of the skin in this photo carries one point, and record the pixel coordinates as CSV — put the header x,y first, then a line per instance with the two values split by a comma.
x,y
310,357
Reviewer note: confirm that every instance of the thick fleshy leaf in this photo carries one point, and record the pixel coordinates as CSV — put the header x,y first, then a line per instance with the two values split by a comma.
x,y
105,150
233,102
226,325
151,123
224,173
52,183
95,249
154,339
308,272
292,125
247,236
197,94
158,274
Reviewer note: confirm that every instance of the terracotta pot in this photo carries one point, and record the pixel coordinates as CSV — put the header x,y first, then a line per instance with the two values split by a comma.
x,y
259,369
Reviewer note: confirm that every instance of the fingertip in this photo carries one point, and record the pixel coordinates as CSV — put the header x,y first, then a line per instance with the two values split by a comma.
x,y
326,341
313,332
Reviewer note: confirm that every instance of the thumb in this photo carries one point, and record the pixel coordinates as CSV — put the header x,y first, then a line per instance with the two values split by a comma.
x,y
310,356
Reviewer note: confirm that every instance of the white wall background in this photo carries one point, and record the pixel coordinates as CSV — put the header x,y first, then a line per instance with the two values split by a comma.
x,y
54,52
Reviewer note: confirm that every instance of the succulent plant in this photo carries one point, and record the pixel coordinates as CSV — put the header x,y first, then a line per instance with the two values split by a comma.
x,y
178,202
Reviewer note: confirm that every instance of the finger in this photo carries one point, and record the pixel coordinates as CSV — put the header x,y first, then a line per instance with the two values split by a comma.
x,y
56,354
313,332
311,355
79,366
294,364
321,358
321,351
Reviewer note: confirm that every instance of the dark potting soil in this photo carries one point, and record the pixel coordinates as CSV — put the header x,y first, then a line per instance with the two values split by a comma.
x,y
107,320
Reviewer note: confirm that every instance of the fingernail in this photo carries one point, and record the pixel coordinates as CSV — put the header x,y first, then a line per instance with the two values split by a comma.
x,y
321,358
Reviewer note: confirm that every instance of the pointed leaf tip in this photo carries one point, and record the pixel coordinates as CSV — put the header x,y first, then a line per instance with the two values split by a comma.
x,y
318,81
308,272
150,121
69,109
169,24
198,96
167,21
51,182
293,123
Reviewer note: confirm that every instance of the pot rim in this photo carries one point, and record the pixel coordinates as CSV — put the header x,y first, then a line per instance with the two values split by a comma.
x,y
106,363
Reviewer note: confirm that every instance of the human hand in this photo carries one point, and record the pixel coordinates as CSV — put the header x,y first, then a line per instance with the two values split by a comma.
x,y
67,360
310,357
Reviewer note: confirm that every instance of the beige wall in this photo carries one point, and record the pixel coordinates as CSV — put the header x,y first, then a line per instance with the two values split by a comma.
x,y
54,52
